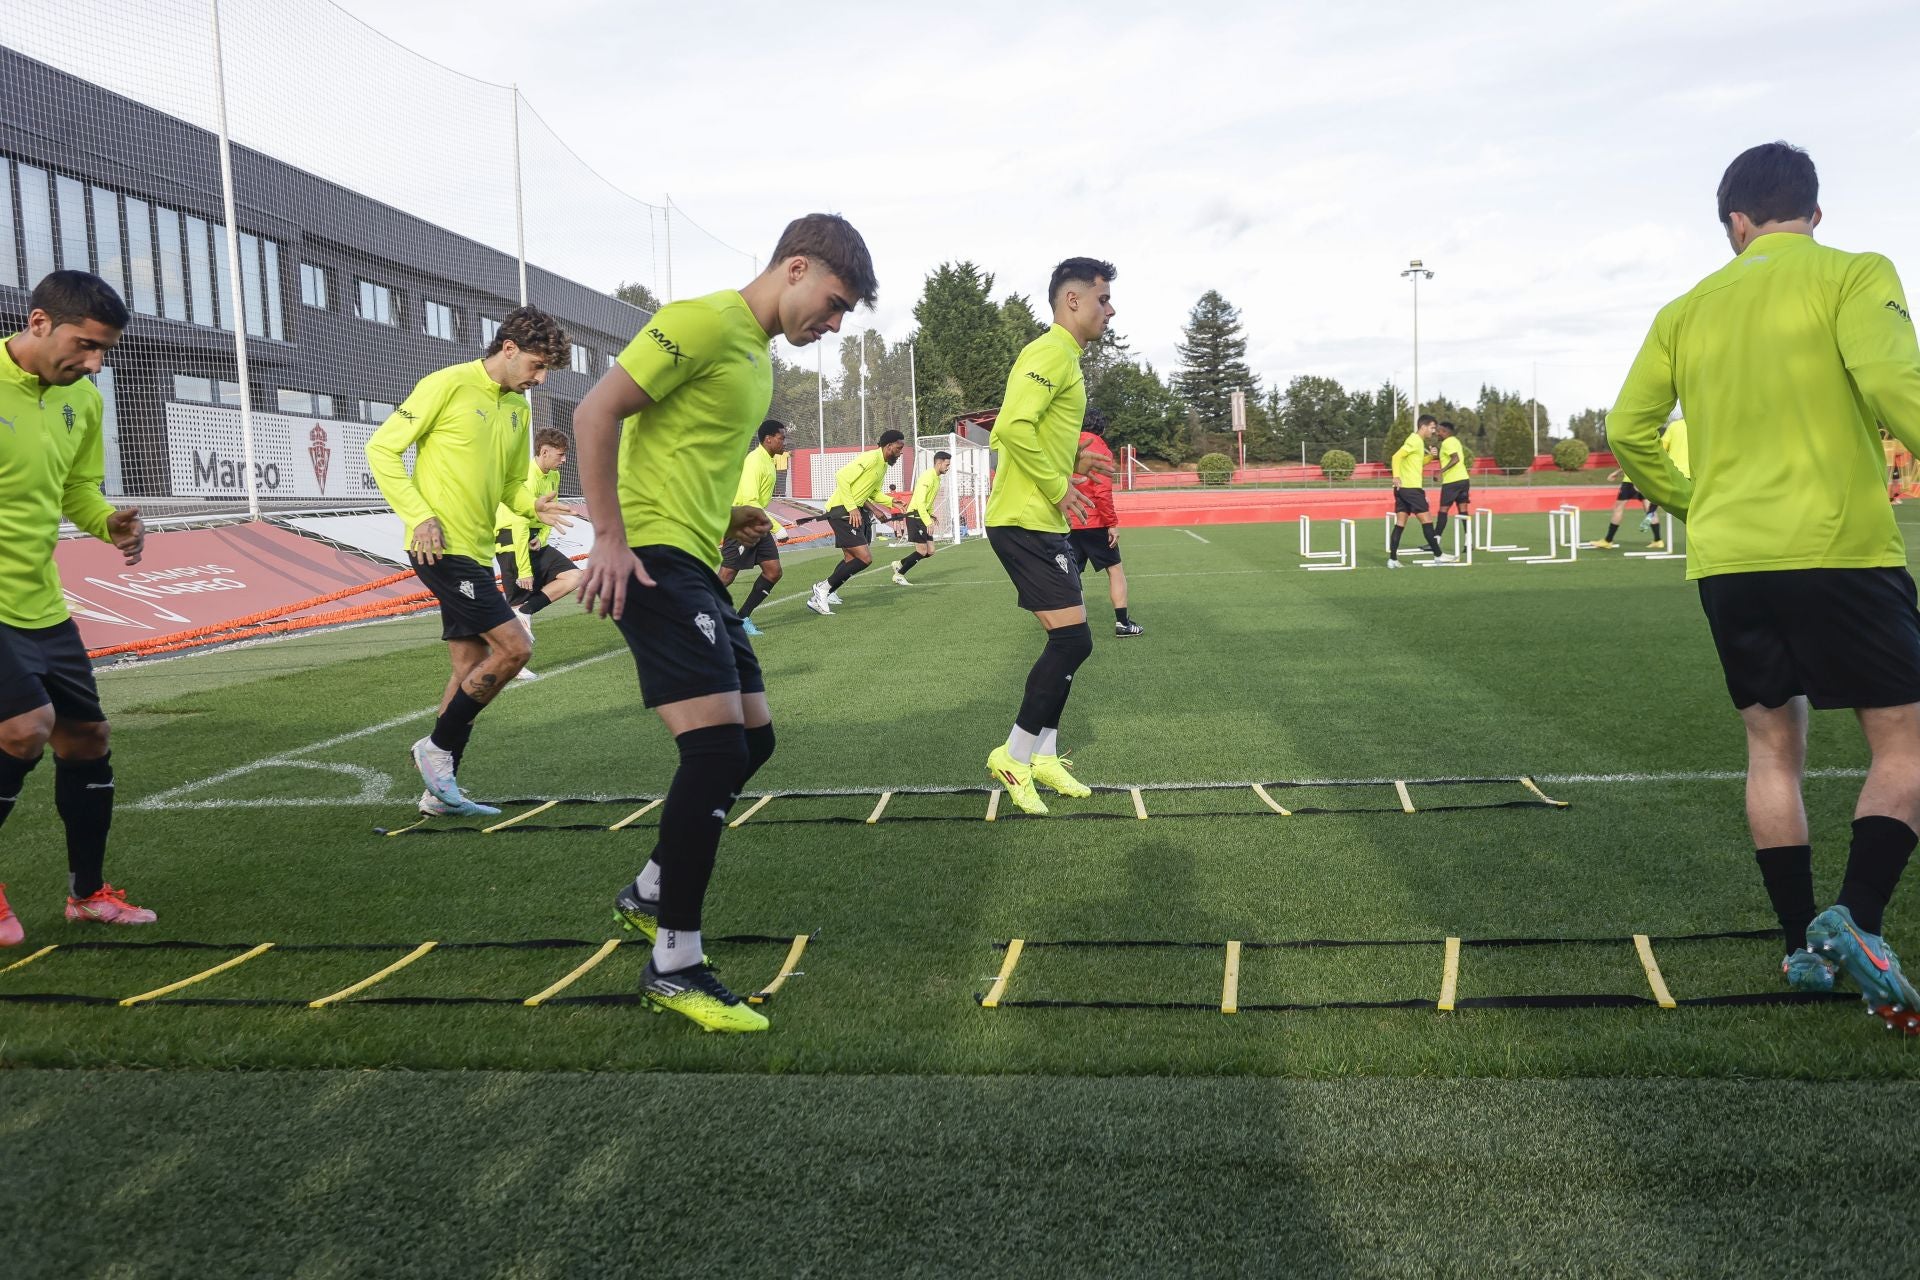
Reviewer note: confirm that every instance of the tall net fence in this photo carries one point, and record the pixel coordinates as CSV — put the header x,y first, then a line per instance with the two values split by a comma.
x,y
386,213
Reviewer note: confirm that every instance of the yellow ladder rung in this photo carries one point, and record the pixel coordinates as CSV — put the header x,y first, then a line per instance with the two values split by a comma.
x,y
1272,804
21,964
880,808
1139,805
502,826
637,814
1406,801
758,805
381,976
1661,996
787,969
202,976
606,949
1534,787
1230,985
1450,974
999,987
993,804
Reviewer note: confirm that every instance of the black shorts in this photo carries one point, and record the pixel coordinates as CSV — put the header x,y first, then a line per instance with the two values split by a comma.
x,y
844,534
1456,493
917,530
687,641
1040,564
1841,637
736,557
469,596
547,563
1090,547
41,665
1628,494
1413,501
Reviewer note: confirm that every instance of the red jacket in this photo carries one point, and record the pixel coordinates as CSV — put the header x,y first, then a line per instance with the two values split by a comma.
x,y
1097,488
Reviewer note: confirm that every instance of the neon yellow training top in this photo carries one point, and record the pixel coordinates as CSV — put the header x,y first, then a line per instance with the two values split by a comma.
x,y
1453,460
757,478
1410,462
926,488
860,481
1786,358
1038,434
472,437
1674,441
52,461
707,365
524,535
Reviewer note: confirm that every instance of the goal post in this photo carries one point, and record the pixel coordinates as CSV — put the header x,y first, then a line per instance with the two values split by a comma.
x,y
963,490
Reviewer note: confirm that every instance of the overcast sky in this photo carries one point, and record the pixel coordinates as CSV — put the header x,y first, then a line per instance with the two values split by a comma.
x,y
1554,165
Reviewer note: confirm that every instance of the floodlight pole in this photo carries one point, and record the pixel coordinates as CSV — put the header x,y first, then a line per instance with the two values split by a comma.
x,y
820,388
863,389
236,293
913,387
1415,272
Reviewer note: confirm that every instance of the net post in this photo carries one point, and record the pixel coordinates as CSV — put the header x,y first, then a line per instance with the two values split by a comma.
x,y
236,296
519,202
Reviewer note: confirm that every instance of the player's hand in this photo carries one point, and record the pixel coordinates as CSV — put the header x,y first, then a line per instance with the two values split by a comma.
x,y
428,542
552,512
127,533
747,525
855,516
609,567
1113,536
1091,463
1075,505
525,584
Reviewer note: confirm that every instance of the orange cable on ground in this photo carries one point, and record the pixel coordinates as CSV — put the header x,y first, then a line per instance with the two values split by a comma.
x,y
171,639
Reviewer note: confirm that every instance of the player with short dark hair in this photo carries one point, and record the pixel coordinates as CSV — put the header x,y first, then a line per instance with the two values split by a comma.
x,y
1456,484
52,463
922,515
1410,492
469,426
851,511
1095,535
1037,434
537,572
691,389
1786,358
757,479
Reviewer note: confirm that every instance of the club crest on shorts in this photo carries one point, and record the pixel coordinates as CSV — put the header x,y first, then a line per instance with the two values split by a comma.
x,y
466,589
1061,560
707,626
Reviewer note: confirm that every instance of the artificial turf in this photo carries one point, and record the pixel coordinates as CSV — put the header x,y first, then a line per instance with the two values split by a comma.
x,y
1596,678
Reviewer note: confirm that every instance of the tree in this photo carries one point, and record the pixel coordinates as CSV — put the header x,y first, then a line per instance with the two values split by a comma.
x,y
1513,437
1317,411
796,401
1140,411
1213,355
1589,426
635,294
1019,323
962,343
1107,351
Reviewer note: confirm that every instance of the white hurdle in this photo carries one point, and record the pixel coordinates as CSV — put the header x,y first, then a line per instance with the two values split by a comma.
x,y
1676,539
1462,550
1306,544
1386,539
1349,552
1483,532
1563,535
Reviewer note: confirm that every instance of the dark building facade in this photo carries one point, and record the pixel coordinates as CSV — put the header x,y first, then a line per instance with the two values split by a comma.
x,y
347,301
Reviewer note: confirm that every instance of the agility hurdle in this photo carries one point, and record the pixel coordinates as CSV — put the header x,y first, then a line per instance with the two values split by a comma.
x,y
1483,532
1676,539
1347,556
1462,551
1386,539
1563,535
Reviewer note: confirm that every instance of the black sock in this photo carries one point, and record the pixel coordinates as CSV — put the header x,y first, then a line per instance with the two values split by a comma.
x,y
1051,679
1120,615
455,725
1393,545
535,603
13,776
762,588
1611,530
1439,524
83,793
911,559
1433,539
1788,872
1655,529
759,750
1875,860
713,762
846,570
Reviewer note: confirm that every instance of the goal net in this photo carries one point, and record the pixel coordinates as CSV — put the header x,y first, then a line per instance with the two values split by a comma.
x,y
963,490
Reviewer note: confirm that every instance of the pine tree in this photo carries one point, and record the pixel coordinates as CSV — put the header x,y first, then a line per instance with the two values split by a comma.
x,y
1213,355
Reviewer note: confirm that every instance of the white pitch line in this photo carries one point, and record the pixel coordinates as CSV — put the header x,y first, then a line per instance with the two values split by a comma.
x,y
1196,537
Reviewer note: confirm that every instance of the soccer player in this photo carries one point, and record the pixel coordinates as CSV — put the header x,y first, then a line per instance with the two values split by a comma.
x,y
756,490
1409,490
922,515
1095,535
1786,357
1629,493
1456,486
1038,435
51,465
468,423
540,573
852,511
691,389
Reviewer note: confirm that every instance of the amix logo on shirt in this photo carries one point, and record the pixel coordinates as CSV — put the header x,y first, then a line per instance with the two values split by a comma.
x,y
1899,310
667,345
1037,378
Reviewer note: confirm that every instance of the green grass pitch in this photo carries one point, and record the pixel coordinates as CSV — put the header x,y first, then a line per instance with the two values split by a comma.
x,y
888,1124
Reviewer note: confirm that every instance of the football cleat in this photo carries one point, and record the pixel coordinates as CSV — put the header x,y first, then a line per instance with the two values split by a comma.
x,y
11,934
833,597
900,576
696,993
1017,778
1806,970
525,673
1393,562
108,905
631,911
1658,544
1601,544
1052,771
746,625
1872,965
1126,629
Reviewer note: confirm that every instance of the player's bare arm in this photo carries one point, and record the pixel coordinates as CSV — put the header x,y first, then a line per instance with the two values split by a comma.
x,y
428,541
610,564
127,533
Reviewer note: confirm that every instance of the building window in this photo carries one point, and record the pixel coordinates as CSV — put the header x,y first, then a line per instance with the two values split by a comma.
x,y
73,224
200,272
223,277
489,329
140,257
250,286
36,223
197,390
106,240
173,269
582,359
272,249
9,262
376,302
374,411
439,321
308,404
313,286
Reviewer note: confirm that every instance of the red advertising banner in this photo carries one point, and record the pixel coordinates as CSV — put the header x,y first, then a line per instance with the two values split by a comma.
x,y
195,578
